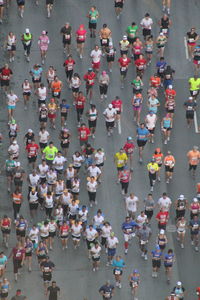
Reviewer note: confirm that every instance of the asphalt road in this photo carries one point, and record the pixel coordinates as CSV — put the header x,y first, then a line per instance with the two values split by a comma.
x,y
73,270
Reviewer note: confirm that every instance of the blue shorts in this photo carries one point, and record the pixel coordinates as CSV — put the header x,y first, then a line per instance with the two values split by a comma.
x,y
111,252
11,106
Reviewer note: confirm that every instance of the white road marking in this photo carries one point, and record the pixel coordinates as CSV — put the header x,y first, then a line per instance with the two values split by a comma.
x,y
186,48
196,123
119,126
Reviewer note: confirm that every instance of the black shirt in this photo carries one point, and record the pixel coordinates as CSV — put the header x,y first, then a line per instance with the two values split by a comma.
x,y
53,292
29,137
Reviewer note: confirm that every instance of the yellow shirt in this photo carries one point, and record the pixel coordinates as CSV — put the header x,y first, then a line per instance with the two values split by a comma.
x,y
120,159
194,84
152,167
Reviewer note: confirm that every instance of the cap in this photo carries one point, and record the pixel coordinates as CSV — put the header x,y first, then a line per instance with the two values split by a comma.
x,y
181,197
44,32
110,44
162,231
18,164
161,33
129,138
195,199
195,147
13,121
14,142
135,271
110,105
151,112
157,247
112,234
70,166
43,105
104,73
27,30
190,98
170,86
179,283
124,37
30,130
90,70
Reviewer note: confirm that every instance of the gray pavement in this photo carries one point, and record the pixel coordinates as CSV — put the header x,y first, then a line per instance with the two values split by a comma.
x,y
73,271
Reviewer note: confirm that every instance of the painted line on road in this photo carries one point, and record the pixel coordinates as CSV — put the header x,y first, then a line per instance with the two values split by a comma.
x,y
186,48
196,123
119,127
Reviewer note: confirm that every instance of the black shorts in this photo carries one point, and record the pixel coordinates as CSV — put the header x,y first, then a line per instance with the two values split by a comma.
x,y
104,42
151,130
192,167
117,272
80,42
189,115
52,234
131,40
4,295
47,278
43,120
49,2
28,254
110,58
69,73
21,233
5,82
180,213
56,94
110,124
149,213
36,80
75,90
169,169
18,182
27,93
5,231
96,258
194,93
119,4
64,145
170,111
141,143
92,25
123,73
100,165
120,169
42,145
92,124
32,159
43,238
22,3
33,206
146,32
63,115
156,263
89,244
66,42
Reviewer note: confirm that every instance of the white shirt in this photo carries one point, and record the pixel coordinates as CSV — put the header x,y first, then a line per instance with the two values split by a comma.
x,y
112,242
141,219
98,220
33,234
42,93
77,160
48,202
95,251
131,203
92,186
43,170
106,230
96,55
150,121
146,23
13,149
83,215
110,114
12,99
90,234
43,136
44,230
99,157
94,171
34,179
76,230
165,203
59,162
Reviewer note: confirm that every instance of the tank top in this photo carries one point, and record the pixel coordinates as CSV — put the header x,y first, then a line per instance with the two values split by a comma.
x,y
165,23
59,188
50,75
43,191
41,251
161,241
166,123
70,174
59,214
49,202
43,113
11,40
137,49
52,227
5,223
149,47
64,230
181,226
92,114
75,82
181,204
21,226
42,93
17,198
4,288
33,198
26,88
75,187
66,199
13,129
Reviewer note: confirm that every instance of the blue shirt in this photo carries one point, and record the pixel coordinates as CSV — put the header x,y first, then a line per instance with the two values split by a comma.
x,y
118,264
128,227
161,65
156,254
142,134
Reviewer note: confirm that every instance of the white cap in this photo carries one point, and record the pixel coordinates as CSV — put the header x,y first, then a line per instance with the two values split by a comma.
x,y
181,197
190,98
110,105
179,283
195,199
30,130
43,105
27,30
18,164
44,32
124,37
162,231
170,87
14,142
161,33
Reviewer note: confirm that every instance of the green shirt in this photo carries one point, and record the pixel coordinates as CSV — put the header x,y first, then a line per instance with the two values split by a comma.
x,y
131,31
93,15
50,153
137,84
194,84
10,164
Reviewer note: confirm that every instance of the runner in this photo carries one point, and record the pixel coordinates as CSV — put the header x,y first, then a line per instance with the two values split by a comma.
x,y
65,141
43,43
36,73
134,281
110,115
64,109
156,261
136,48
162,218
75,85
12,100
169,162
194,226
190,107
104,81
112,243
92,115
50,74
89,78
193,159
144,234
10,45
105,35
56,88
95,254
119,4
179,290
32,151
92,189
80,39
110,56
53,291
26,39
161,42
142,136
69,68
49,7
5,224
153,168
194,86
131,32
166,6
52,109
118,264
124,45
192,38
124,178
150,121
124,62
26,88
181,230
149,45
169,260
166,127
5,76
66,32
64,234
146,24
128,228
140,65
18,255
93,16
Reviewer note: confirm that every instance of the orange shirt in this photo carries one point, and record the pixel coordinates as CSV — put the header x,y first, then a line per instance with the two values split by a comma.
x,y
17,198
198,188
158,157
193,157
56,86
155,81
169,160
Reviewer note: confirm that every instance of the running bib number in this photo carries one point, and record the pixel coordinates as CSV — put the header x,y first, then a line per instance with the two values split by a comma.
x,y
117,272
104,41
123,69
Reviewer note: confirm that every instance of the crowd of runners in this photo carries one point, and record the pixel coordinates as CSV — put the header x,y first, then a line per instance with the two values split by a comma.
x,y
51,183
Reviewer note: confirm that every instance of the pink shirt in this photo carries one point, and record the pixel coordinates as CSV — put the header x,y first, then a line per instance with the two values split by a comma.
x,y
43,42
81,34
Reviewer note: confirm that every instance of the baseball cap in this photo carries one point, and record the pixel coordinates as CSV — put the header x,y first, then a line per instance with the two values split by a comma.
x,y
195,147
135,271
161,33
162,231
27,30
190,98
129,138
43,31
112,234
124,37
195,199
157,247
13,121
179,283
14,142
181,197
18,164
30,130
90,70
170,87
110,105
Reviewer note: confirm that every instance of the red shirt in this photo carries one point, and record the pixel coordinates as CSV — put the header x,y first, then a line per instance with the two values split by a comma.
x,y
89,78
124,62
83,133
80,102
140,63
5,73
155,81
117,104
129,147
162,217
18,253
198,292
81,34
32,149
170,93
64,229
124,176
69,64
